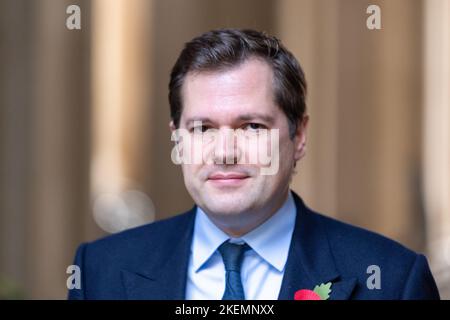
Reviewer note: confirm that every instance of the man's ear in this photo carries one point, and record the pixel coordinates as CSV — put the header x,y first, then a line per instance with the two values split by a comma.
x,y
300,138
172,126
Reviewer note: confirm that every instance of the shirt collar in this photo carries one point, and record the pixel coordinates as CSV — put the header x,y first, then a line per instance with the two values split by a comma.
x,y
207,238
271,240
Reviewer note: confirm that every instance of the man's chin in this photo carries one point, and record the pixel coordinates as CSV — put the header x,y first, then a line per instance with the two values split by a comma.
x,y
218,195
227,205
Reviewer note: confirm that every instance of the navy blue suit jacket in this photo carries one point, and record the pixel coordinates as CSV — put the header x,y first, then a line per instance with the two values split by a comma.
x,y
151,262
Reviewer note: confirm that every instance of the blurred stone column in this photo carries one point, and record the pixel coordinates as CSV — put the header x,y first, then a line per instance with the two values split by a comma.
x,y
382,89
59,135
122,115
436,137
15,55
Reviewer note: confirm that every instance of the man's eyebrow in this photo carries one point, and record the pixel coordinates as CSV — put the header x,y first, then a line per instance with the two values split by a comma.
x,y
243,117
254,116
202,119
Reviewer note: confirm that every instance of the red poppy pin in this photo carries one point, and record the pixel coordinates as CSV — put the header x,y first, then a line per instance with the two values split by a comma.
x,y
320,292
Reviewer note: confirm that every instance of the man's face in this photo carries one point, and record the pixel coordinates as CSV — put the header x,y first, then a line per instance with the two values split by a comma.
x,y
237,98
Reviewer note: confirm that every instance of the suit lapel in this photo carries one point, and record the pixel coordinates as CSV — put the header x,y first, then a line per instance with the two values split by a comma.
x,y
163,275
310,260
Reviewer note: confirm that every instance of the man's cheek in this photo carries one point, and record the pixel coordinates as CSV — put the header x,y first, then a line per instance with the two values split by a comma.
x,y
269,151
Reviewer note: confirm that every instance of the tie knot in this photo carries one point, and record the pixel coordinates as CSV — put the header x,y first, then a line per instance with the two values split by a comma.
x,y
232,255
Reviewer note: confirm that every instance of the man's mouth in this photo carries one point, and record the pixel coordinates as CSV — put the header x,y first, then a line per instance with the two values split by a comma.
x,y
230,179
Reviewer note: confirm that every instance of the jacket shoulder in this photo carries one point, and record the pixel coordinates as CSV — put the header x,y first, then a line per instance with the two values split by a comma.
x,y
343,237
362,254
102,261
151,234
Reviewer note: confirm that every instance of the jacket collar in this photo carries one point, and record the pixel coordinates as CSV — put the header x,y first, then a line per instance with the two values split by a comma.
x,y
163,273
310,262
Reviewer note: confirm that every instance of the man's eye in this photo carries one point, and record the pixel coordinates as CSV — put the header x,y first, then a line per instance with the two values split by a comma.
x,y
200,129
254,126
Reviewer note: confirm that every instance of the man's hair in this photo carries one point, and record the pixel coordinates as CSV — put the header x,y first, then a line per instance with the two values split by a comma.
x,y
223,49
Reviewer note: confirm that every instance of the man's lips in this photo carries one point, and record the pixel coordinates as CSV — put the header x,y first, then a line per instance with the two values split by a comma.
x,y
227,176
227,180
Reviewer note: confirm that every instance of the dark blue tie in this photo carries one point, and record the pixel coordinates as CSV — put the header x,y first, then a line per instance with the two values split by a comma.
x,y
232,255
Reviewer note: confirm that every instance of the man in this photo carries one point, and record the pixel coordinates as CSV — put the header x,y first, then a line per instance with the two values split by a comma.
x,y
249,236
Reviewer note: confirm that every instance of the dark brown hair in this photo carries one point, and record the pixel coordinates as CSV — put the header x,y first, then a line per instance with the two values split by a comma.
x,y
226,48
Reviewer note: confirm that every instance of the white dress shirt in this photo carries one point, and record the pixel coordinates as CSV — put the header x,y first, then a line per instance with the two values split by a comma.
x,y
262,267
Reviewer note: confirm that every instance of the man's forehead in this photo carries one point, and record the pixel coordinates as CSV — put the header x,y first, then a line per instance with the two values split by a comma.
x,y
253,73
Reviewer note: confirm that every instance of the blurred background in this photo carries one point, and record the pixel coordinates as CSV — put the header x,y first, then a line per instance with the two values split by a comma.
x,y
85,145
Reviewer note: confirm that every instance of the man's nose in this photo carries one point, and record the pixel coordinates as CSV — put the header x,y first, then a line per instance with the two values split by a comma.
x,y
226,150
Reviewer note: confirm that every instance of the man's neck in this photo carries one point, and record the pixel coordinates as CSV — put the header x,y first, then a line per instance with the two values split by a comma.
x,y
237,225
